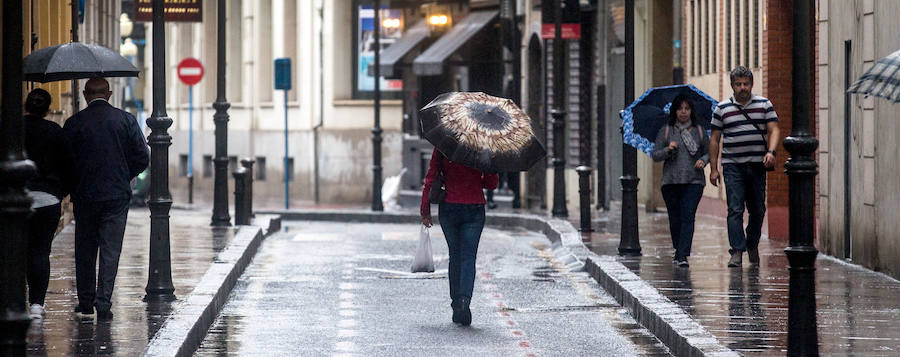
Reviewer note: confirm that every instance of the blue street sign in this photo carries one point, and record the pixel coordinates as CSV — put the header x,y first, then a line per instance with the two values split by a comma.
x,y
283,73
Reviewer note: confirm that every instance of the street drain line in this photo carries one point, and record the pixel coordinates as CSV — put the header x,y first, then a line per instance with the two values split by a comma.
x,y
560,308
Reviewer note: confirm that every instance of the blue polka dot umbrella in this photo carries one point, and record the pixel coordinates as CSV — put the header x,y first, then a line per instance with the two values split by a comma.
x,y
643,119
477,130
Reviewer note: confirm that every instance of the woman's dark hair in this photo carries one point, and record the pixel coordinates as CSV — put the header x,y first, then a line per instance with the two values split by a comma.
x,y
38,102
676,103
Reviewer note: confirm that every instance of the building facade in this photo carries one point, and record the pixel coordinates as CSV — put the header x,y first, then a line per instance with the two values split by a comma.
x,y
329,110
721,34
858,150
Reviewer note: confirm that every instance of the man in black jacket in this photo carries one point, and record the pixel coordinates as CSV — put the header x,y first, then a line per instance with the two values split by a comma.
x,y
109,150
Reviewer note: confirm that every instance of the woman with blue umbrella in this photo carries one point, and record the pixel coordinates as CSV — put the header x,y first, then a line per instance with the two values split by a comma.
x,y
671,124
683,146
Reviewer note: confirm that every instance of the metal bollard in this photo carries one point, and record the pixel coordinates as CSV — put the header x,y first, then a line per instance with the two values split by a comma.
x,y
584,193
248,165
240,188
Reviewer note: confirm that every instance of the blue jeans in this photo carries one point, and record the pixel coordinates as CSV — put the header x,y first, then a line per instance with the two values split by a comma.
x,y
462,225
745,184
681,204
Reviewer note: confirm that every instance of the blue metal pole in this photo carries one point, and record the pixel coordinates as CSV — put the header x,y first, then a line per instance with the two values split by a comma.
x,y
190,131
286,172
190,173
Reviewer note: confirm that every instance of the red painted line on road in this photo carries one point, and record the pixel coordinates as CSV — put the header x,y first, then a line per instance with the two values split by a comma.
x,y
524,344
510,322
531,355
504,314
500,304
496,295
518,333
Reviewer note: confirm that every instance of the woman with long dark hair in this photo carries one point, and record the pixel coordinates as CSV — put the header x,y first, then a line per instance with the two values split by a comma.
x,y
462,220
684,148
46,147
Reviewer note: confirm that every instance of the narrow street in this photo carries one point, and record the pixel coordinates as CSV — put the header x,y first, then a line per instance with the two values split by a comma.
x,y
344,289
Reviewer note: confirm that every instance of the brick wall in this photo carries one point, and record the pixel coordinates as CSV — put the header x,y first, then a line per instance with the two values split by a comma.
x,y
777,87
777,66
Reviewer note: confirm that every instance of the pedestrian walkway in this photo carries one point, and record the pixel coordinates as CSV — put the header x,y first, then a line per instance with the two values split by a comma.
x,y
194,246
344,289
746,308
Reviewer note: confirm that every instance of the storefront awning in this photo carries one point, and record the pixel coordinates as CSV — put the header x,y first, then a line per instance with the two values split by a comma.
x,y
431,62
392,55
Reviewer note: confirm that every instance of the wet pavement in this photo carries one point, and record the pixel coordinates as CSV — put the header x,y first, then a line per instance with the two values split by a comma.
x,y
746,308
194,245
319,288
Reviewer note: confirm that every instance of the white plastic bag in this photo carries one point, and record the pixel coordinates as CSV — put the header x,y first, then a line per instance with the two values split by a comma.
x,y
390,190
423,261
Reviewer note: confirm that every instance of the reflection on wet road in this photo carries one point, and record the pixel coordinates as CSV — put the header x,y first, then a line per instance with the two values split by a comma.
x,y
344,289
135,322
746,309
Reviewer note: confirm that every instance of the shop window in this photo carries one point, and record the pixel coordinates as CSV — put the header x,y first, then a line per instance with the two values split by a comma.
x,y
259,169
207,166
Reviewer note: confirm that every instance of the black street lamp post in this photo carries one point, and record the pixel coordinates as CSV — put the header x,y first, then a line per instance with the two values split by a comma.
x,y
220,215
159,283
15,205
629,242
801,170
376,131
559,118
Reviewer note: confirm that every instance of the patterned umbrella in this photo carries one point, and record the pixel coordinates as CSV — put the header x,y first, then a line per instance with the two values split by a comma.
x,y
76,60
642,119
481,131
882,80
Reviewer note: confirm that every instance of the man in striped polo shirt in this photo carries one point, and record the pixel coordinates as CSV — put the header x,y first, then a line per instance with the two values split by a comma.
x,y
741,124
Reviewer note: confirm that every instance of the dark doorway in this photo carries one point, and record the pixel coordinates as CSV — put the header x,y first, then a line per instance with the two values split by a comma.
x,y
537,175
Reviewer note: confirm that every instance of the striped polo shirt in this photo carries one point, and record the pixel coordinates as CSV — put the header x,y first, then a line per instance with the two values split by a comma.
x,y
743,140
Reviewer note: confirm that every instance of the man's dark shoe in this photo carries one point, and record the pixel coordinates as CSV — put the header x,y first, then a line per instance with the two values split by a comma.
x,y
736,259
491,205
682,261
84,313
456,310
465,315
104,315
753,256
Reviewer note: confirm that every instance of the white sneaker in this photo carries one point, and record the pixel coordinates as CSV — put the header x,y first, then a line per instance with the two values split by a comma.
x,y
36,312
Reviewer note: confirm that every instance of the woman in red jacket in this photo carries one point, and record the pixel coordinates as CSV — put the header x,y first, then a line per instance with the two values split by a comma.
x,y
462,219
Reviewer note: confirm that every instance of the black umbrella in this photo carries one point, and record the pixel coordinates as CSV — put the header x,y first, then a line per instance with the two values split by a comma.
x,y
76,60
484,132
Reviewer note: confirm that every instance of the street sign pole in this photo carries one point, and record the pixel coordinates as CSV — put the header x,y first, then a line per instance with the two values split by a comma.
x,y
283,81
190,171
190,72
287,191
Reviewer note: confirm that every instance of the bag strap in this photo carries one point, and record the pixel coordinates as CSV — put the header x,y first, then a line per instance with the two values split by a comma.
x,y
667,133
747,117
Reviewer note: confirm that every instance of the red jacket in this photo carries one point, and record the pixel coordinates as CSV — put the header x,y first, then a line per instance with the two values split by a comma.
x,y
464,184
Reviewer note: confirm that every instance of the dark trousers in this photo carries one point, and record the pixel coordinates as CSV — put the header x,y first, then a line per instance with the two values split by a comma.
x,y
41,230
745,184
99,227
462,225
681,204
512,182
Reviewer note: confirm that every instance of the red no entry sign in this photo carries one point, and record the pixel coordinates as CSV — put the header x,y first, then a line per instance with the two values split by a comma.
x,y
190,71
